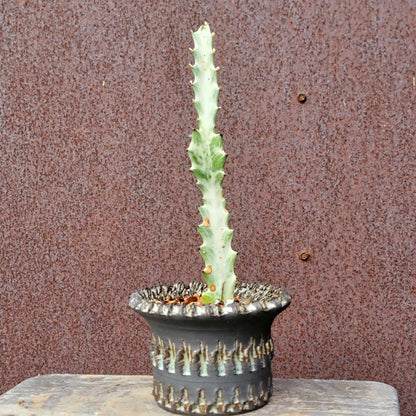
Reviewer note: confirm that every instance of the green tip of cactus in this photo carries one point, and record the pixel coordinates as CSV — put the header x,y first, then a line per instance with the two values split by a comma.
x,y
208,158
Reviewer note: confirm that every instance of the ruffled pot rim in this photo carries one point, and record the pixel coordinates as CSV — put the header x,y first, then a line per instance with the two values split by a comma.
x,y
254,297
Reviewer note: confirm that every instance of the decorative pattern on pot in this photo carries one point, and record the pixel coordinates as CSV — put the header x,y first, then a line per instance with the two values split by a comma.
x,y
167,399
254,297
165,355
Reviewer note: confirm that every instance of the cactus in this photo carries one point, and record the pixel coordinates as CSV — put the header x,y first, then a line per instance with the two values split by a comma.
x,y
208,158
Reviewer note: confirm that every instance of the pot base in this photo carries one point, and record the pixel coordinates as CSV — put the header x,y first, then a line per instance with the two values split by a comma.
x,y
168,399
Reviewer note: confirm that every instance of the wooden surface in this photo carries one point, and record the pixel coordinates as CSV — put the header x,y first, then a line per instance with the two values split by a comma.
x,y
104,395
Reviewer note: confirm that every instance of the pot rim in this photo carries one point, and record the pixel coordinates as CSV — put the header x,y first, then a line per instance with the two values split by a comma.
x,y
256,297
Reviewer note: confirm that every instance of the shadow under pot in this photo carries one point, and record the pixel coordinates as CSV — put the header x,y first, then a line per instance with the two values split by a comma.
x,y
213,358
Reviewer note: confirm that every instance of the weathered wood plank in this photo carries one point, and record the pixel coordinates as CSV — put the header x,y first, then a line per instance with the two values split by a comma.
x,y
105,395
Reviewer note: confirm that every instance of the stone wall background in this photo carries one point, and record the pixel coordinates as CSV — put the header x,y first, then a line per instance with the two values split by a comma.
x,y
97,200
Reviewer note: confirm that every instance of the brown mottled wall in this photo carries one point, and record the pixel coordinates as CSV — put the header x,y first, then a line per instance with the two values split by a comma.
x,y
97,200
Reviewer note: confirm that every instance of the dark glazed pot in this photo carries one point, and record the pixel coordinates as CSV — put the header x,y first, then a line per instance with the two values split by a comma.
x,y
211,359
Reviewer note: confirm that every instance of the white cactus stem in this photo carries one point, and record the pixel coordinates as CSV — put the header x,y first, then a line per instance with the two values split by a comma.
x,y
208,158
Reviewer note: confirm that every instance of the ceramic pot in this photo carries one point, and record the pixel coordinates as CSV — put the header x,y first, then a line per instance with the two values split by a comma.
x,y
211,359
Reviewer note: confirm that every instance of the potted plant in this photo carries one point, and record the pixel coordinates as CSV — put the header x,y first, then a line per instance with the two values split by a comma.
x,y
211,346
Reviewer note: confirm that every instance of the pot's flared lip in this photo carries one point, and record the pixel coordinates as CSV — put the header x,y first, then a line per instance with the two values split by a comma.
x,y
254,297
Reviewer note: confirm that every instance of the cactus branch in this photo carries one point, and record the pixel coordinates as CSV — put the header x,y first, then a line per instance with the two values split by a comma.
x,y
208,158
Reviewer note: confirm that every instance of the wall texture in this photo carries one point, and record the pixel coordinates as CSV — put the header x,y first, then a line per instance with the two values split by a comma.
x,y
97,200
